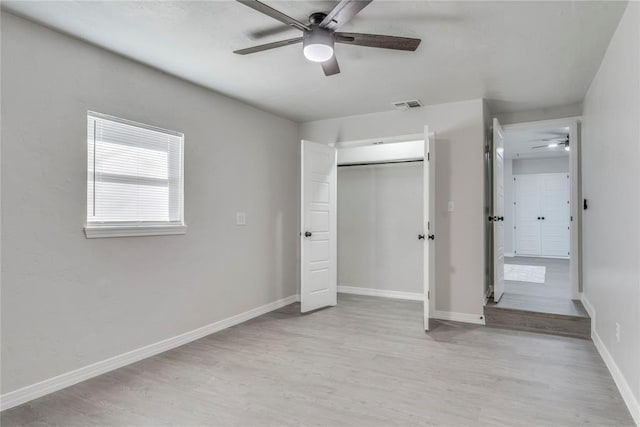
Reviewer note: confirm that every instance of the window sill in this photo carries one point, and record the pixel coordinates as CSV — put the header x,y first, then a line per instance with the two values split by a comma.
x,y
93,232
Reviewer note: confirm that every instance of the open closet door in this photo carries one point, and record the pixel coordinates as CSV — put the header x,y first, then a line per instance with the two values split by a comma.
x,y
429,201
498,211
318,286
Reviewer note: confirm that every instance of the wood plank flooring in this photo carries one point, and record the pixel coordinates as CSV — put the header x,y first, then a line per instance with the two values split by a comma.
x,y
557,283
365,362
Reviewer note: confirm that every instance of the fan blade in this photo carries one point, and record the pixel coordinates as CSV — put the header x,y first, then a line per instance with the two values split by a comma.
x,y
266,32
539,146
275,14
331,66
268,46
343,12
377,40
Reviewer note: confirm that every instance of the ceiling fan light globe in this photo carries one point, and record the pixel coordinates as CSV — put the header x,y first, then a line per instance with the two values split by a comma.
x,y
318,44
553,145
566,148
318,52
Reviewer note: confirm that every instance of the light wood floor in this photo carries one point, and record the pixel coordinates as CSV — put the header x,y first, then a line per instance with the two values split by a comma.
x,y
366,362
557,283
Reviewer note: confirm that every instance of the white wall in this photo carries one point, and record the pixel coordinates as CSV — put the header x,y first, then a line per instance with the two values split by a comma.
x,y
548,113
460,236
611,225
379,219
541,165
68,301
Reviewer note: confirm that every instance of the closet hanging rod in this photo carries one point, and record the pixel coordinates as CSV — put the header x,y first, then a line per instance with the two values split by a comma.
x,y
381,163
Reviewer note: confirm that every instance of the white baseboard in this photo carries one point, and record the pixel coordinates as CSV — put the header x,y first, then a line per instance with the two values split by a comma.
x,y
509,255
622,384
413,296
459,317
589,308
30,392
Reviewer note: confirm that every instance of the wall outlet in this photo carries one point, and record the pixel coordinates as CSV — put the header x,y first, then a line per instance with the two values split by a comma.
x,y
617,332
241,218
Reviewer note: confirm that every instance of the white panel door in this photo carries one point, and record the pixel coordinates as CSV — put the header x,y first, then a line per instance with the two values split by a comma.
x,y
527,215
555,215
498,211
318,287
429,212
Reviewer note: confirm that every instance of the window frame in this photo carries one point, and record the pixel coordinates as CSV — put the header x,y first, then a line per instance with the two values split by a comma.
x,y
97,229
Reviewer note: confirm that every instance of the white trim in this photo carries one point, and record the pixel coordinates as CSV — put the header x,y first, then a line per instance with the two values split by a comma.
x,y
589,308
623,386
34,391
92,232
459,317
412,296
384,139
542,256
103,116
509,255
574,191
566,121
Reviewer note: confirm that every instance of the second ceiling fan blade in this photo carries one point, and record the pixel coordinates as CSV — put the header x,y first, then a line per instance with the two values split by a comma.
x,y
331,66
343,12
275,14
378,40
268,46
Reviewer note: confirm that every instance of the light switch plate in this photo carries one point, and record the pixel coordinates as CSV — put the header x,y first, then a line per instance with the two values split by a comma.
x,y
241,218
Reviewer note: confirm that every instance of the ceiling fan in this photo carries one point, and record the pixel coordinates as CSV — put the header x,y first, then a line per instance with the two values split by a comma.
x,y
320,35
554,142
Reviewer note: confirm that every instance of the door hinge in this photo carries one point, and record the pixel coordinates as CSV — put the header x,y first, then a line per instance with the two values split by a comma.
x,y
428,157
428,294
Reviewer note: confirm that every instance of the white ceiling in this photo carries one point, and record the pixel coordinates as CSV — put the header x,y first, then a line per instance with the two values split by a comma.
x,y
517,55
520,143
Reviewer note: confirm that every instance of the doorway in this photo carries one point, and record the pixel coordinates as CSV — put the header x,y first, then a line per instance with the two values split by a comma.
x,y
536,214
363,254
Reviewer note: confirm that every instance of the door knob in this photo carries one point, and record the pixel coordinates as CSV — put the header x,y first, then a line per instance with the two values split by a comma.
x,y
543,218
420,236
308,234
538,218
432,237
500,218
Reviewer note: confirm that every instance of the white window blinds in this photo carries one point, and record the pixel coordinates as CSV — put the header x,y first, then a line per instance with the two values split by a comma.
x,y
134,173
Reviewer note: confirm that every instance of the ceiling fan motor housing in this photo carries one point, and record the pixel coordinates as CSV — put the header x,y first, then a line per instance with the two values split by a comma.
x,y
318,44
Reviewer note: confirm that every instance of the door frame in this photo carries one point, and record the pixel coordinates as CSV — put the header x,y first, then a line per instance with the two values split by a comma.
x,y
575,192
389,140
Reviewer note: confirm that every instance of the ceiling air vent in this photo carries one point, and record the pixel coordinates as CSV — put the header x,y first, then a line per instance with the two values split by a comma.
x,y
405,105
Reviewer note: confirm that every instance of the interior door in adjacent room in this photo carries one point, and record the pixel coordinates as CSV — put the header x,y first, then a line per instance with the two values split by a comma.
x,y
318,258
542,215
498,211
555,211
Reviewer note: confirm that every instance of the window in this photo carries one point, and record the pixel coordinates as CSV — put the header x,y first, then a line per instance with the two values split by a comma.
x,y
134,179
